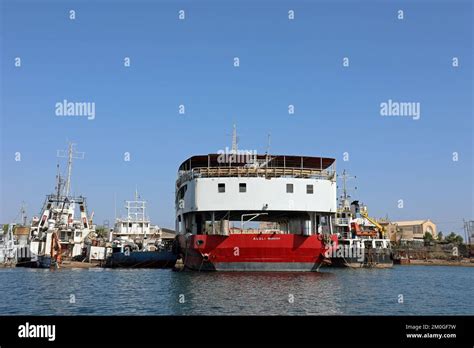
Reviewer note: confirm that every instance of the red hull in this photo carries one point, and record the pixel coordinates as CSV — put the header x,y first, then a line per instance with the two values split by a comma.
x,y
253,252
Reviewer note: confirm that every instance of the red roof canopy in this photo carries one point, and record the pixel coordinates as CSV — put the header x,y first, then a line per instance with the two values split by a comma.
x,y
220,160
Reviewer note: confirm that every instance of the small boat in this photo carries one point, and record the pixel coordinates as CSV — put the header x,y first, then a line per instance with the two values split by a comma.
x,y
361,239
138,244
363,253
8,249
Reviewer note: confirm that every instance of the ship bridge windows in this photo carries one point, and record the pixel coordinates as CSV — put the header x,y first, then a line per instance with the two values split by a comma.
x,y
289,188
242,187
221,188
182,191
309,189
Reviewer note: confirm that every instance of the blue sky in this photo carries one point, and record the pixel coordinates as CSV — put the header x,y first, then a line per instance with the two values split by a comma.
x,y
282,62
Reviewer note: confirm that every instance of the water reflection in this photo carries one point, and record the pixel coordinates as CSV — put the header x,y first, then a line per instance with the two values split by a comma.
x,y
425,290
258,293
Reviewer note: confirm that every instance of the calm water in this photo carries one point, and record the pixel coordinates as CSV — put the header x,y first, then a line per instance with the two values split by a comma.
x,y
425,289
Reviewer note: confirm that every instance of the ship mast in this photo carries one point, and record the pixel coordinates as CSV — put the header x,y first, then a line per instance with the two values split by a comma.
x,y
58,184
345,197
70,154
23,214
22,217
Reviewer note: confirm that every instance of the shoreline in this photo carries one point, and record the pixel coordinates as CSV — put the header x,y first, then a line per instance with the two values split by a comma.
x,y
438,262
413,262
77,264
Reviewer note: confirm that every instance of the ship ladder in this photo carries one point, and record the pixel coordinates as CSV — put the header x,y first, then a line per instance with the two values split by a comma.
x,y
370,258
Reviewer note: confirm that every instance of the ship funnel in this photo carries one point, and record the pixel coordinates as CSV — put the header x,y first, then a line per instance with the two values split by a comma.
x,y
355,207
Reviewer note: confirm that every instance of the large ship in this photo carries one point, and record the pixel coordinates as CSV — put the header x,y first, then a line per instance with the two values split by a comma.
x,y
241,211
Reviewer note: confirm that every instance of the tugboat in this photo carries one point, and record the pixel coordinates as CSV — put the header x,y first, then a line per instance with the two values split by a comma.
x,y
242,211
361,239
57,235
137,244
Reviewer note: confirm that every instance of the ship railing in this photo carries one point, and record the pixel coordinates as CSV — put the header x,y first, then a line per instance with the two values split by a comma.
x,y
270,172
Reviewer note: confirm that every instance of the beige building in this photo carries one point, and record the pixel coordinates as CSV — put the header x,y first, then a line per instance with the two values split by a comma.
x,y
166,233
390,230
412,230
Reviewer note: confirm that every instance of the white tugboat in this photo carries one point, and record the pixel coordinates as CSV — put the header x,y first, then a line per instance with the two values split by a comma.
x,y
58,234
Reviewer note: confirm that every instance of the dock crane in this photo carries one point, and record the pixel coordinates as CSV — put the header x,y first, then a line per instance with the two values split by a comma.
x,y
365,214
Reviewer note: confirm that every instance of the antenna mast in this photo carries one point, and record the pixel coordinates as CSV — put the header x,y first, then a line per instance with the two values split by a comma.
x,y
234,139
269,138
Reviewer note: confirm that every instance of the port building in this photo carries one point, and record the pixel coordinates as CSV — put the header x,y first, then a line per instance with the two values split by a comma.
x,y
411,230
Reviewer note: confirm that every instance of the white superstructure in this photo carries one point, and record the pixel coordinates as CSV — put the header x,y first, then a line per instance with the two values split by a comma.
x,y
60,209
135,227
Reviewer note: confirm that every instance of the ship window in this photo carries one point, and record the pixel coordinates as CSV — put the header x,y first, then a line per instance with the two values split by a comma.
x,y
309,189
182,191
242,187
221,188
289,188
